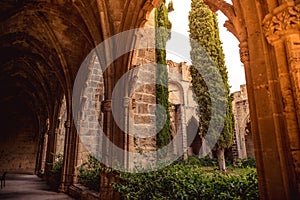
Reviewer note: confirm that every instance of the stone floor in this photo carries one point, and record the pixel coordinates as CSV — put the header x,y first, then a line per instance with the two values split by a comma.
x,y
27,186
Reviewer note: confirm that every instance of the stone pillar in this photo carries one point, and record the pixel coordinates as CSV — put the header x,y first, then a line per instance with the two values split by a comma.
x,y
107,123
281,28
184,132
106,191
50,151
39,158
70,157
126,101
245,59
244,56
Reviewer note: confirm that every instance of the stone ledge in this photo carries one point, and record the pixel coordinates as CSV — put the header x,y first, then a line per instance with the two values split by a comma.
x,y
81,192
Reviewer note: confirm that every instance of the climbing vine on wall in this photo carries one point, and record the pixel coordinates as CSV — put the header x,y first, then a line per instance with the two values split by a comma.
x,y
205,40
162,23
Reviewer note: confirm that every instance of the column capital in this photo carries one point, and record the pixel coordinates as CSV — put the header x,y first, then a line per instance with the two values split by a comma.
x,y
244,52
283,20
67,124
106,105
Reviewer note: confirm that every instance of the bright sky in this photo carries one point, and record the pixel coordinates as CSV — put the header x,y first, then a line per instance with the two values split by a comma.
x,y
179,19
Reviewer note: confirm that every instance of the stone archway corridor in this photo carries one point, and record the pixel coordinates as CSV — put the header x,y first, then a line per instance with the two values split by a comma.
x,y
44,42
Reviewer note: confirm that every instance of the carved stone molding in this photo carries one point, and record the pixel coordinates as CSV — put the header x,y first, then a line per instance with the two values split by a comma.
x,y
285,19
244,52
292,44
235,23
294,57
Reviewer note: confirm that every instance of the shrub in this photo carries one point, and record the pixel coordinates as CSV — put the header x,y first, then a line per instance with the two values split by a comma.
x,y
195,160
89,174
186,181
246,163
56,171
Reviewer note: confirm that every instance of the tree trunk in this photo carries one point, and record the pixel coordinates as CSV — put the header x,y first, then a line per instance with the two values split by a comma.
x,y
221,159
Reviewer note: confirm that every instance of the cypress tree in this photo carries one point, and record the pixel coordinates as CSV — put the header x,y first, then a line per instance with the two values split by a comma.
x,y
208,57
162,24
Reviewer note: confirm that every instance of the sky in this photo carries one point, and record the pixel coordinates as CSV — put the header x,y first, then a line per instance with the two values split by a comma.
x,y
179,19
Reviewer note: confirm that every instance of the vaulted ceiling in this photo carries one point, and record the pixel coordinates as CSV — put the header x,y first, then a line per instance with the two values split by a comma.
x,y
42,45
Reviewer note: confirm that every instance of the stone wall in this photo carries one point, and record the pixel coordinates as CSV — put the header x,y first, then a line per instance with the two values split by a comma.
x,y
142,100
243,138
61,130
140,104
184,108
89,122
18,146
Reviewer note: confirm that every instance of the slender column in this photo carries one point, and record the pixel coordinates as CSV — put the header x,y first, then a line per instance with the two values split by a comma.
x,y
106,191
126,127
184,132
69,163
39,159
50,152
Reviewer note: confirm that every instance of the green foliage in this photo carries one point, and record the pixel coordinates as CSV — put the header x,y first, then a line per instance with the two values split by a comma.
x,y
170,6
208,58
56,171
186,181
57,165
89,173
195,160
206,161
246,163
162,94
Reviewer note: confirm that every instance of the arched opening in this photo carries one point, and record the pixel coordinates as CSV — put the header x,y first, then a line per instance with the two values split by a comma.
x,y
249,140
193,140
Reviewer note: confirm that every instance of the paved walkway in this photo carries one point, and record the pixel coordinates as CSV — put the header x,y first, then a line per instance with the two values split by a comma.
x,y
25,186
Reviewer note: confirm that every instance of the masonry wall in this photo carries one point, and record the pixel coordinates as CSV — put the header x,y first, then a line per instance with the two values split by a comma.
x,y
243,143
142,100
18,146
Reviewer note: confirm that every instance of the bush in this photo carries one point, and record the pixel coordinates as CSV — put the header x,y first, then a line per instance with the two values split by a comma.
x,y
246,163
195,160
186,181
56,171
89,174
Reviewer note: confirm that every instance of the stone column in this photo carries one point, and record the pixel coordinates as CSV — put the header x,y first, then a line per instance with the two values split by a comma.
x,y
245,59
106,191
107,124
184,132
71,141
126,101
281,28
39,158
50,151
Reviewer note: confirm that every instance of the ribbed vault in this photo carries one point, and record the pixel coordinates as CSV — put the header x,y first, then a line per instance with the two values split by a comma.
x,y
42,45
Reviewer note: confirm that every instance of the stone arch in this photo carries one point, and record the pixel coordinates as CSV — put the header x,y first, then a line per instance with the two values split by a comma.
x,y
177,112
193,142
249,138
269,50
176,93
